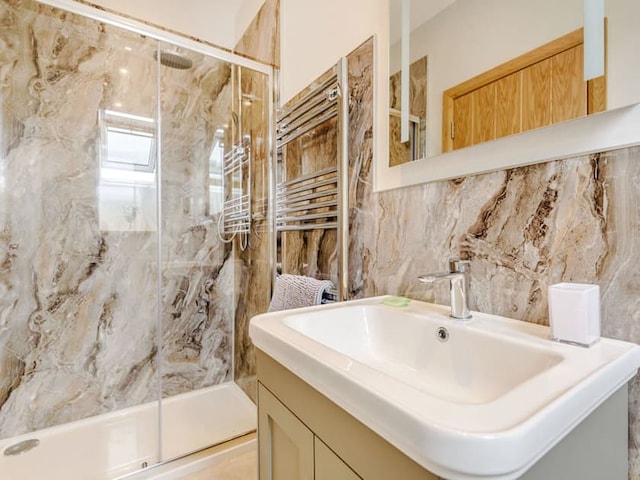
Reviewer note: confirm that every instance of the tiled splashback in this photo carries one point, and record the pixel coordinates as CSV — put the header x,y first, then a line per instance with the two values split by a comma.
x,y
575,220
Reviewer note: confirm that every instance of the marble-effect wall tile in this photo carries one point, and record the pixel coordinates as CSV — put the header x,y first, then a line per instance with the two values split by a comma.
x,y
198,268
253,254
261,40
254,268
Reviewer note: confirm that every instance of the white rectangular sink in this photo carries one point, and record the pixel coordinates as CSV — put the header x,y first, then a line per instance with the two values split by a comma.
x,y
484,398
467,367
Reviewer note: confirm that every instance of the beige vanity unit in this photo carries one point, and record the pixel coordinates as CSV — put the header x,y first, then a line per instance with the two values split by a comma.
x,y
366,390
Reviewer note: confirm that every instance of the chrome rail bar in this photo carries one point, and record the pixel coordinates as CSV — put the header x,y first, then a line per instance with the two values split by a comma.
x,y
317,90
298,133
308,176
236,166
323,97
302,198
310,186
302,120
310,216
237,217
310,206
235,204
310,226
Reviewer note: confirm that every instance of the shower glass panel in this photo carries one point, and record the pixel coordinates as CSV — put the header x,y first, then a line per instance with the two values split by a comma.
x,y
207,109
197,267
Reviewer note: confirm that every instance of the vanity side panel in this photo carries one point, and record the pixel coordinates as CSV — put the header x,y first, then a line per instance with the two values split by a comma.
x,y
366,453
595,450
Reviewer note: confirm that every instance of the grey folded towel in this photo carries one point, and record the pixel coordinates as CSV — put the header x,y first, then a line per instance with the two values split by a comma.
x,y
295,291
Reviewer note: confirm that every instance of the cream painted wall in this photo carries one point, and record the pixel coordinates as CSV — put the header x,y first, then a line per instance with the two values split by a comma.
x,y
314,35
220,22
492,32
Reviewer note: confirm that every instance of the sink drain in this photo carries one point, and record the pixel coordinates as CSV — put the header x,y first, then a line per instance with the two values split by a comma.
x,y
442,334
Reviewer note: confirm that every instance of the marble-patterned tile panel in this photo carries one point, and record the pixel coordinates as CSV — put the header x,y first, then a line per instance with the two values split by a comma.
x,y
254,267
198,273
261,40
361,113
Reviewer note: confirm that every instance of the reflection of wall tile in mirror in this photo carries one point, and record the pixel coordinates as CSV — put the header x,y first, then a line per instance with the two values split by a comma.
x,y
416,148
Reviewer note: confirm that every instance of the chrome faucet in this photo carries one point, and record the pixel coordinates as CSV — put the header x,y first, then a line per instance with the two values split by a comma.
x,y
458,275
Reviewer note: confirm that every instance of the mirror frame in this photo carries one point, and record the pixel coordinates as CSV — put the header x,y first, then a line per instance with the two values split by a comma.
x,y
608,130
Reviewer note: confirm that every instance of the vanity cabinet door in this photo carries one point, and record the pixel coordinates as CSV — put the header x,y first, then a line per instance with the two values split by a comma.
x,y
329,466
285,444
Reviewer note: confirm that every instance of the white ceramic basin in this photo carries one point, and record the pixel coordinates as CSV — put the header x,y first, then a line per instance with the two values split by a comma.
x,y
468,367
488,402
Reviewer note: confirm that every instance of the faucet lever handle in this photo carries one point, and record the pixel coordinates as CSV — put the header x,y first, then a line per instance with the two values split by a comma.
x,y
458,266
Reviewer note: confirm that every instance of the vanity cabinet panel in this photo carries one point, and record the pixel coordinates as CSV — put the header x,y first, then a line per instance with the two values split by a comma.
x,y
285,444
361,451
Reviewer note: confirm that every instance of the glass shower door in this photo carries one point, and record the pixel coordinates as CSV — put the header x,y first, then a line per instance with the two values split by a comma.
x,y
214,177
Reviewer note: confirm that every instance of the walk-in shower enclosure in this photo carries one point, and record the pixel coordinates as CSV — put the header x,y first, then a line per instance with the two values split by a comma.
x,y
116,287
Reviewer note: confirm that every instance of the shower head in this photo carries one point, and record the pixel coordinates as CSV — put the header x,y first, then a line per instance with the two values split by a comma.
x,y
173,60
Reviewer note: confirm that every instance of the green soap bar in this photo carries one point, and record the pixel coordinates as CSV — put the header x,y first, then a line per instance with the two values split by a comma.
x,y
396,301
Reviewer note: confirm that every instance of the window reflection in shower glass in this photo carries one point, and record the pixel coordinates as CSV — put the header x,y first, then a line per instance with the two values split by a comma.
x,y
128,141
127,172
216,185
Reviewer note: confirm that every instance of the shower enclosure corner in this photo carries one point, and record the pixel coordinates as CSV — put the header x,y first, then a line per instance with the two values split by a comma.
x,y
120,240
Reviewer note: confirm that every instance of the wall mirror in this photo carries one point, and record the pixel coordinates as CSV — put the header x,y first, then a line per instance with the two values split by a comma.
x,y
464,39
